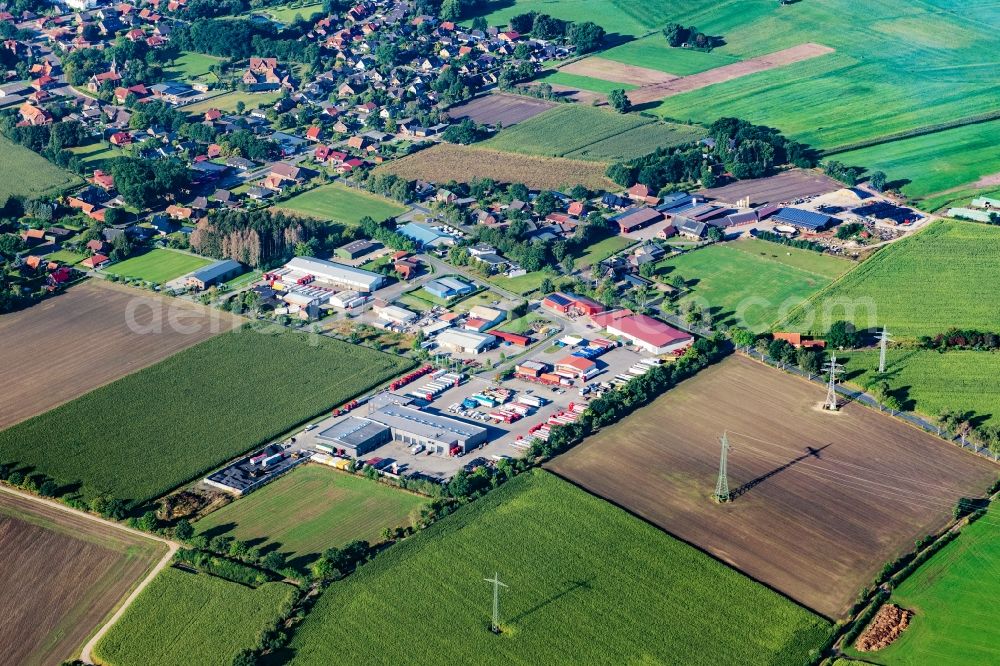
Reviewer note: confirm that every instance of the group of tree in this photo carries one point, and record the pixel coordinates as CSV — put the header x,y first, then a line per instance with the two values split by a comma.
x,y
806,359
955,338
241,38
144,183
259,238
585,36
662,167
391,186
799,243
33,483
752,151
464,132
50,141
677,35
846,174
619,101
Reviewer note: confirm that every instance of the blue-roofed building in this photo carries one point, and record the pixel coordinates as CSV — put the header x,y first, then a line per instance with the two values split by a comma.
x,y
803,219
425,236
214,273
449,287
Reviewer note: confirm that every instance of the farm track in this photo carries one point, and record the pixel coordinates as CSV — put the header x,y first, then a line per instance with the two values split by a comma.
x,y
55,511
656,92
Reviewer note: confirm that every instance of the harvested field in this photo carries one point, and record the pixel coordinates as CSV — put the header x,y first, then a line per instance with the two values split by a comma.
x,y
782,187
92,320
500,108
609,70
657,91
62,576
821,500
446,162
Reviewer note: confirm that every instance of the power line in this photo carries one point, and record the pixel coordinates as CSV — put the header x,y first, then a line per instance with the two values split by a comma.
x,y
883,344
831,392
722,484
495,627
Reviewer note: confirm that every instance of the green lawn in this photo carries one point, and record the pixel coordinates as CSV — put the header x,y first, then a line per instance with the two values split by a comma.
x,y
158,265
191,66
338,203
934,162
95,155
244,280
588,133
228,101
948,595
921,285
311,509
615,16
653,52
556,77
929,381
286,14
28,174
601,250
523,284
749,282
66,257
151,431
656,600
522,325
184,618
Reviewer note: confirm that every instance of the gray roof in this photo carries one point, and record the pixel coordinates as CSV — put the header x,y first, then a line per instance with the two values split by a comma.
x,y
216,270
353,431
428,426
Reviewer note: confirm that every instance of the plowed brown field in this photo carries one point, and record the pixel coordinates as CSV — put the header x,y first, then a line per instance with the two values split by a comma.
x,y
822,499
62,576
93,334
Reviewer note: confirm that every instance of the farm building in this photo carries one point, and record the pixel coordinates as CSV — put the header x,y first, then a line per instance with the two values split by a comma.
x,y
328,272
577,366
512,338
490,315
805,220
637,218
425,236
354,436
449,287
797,340
441,434
355,249
466,342
567,303
346,299
645,332
213,274
394,314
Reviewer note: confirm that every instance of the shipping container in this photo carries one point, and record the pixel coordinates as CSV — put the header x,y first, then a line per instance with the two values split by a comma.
x,y
272,460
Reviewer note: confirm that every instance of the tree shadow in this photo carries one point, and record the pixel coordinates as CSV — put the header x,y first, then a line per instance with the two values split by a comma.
x,y
897,184
902,394
753,483
302,562
571,587
219,530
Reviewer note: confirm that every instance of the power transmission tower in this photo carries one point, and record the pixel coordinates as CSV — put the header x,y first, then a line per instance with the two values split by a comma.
x,y
883,344
831,392
496,601
722,485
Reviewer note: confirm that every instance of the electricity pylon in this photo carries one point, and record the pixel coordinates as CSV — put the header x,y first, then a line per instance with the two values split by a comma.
x,y
831,392
496,601
883,344
722,485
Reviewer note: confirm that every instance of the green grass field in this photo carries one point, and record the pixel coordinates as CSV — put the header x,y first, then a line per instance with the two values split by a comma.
x,y
28,174
615,16
959,197
929,381
573,564
158,265
191,66
66,257
934,162
339,203
947,595
95,155
228,101
921,285
588,133
556,77
151,431
653,52
601,250
286,14
311,509
751,282
185,618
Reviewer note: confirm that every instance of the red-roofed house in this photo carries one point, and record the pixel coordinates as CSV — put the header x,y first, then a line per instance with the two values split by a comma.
x,y
643,193
476,324
577,366
313,133
121,139
103,180
796,340
95,262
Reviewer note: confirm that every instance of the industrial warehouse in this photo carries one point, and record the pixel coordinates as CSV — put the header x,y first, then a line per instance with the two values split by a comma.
x,y
320,273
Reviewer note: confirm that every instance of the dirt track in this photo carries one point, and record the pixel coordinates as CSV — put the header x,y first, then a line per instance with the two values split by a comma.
x,y
657,91
63,573
93,334
610,70
823,499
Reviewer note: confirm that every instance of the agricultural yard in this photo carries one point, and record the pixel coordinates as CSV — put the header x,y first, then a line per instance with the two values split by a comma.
x,y
583,132
549,542
921,285
947,596
783,187
94,317
445,162
821,500
158,265
750,282
178,419
63,575
929,381
311,509
28,174
227,102
185,618
934,162
500,108
336,202
874,78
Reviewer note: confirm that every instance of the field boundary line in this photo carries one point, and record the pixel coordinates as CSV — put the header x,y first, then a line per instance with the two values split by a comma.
x,y
978,119
701,550
172,548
